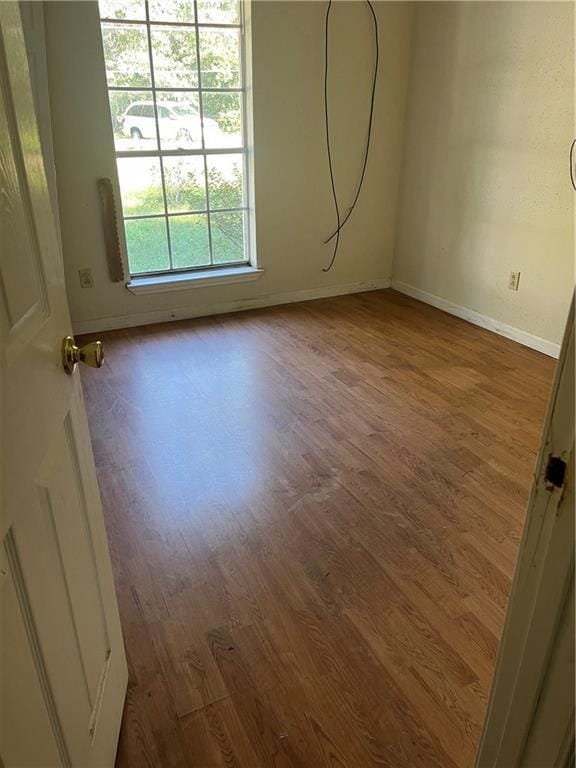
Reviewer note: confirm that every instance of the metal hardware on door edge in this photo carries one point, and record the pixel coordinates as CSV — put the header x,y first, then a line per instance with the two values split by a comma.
x,y
555,471
90,354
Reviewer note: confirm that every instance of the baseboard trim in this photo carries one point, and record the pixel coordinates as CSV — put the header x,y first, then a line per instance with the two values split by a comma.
x,y
186,313
502,329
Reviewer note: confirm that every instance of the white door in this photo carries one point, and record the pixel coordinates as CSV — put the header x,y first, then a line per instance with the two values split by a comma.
x,y
530,717
63,670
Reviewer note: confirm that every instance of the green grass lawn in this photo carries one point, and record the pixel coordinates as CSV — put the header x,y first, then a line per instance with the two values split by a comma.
x,y
148,243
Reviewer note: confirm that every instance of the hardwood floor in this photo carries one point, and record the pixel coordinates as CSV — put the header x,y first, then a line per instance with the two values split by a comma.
x,y
314,512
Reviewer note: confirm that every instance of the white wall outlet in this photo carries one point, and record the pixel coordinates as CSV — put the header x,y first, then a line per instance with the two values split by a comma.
x,y
514,281
86,278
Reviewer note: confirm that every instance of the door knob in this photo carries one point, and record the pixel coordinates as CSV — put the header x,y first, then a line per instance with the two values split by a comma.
x,y
91,354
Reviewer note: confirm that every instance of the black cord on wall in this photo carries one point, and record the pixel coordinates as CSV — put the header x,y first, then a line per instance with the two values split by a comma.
x,y
340,223
328,144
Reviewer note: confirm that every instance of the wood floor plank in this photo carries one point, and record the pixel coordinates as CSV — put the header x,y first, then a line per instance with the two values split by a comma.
x,y
314,513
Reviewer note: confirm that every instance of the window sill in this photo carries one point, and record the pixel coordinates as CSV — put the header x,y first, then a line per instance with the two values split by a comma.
x,y
188,280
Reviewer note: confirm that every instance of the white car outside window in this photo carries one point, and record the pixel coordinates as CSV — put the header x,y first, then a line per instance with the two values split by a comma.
x,y
175,121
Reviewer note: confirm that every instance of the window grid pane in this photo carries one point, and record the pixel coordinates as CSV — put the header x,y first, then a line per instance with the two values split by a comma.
x,y
182,132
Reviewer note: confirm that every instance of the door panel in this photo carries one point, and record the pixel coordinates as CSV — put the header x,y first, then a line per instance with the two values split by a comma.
x,y
22,669
23,286
62,664
63,502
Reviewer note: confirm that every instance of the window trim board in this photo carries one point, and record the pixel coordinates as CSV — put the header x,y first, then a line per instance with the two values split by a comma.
x,y
184,281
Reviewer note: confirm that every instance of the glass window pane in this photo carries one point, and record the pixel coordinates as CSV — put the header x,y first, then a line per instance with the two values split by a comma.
x,y
222,120
122,9
220,58
140,185
225,181
126,54
170,193
132,129
227,237
185,184
180,126
171,10
218,11
189,240
147,245
174,57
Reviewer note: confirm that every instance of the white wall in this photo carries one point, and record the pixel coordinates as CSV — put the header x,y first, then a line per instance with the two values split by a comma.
x,y
293,200
485,187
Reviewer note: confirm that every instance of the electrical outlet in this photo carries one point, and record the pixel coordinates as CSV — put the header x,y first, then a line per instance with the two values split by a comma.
x,y
86,278
514,281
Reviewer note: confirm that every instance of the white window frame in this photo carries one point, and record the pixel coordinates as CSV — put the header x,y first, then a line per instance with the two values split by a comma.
x,y
205,152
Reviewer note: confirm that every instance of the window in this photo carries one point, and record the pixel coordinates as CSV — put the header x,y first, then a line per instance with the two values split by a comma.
x,y
175,80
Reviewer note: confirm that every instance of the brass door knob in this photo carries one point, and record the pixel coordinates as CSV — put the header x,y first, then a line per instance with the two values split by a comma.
x,y
91,354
